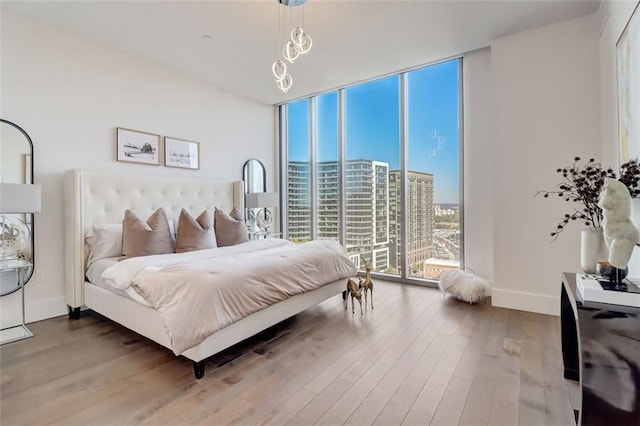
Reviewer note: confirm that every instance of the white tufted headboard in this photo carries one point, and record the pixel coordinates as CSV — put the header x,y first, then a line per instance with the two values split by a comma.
x,y
98,198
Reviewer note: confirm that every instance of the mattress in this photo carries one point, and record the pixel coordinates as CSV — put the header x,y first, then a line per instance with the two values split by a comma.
x,y
94,276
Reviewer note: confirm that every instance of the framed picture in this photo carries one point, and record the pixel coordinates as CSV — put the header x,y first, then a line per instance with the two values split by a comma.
x,y
628,70
181,153
138,147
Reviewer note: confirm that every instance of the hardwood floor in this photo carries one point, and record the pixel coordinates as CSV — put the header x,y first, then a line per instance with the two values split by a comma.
x,y
416,359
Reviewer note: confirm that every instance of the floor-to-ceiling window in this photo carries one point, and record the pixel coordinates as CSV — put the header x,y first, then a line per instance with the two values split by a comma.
x,y
372,141
376,166
328,186
433,152
298,172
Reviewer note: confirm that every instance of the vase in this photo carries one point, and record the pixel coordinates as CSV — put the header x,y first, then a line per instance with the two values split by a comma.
x,y
592,249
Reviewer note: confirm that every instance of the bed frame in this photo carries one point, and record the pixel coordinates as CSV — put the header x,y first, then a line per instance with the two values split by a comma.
x,y
99,198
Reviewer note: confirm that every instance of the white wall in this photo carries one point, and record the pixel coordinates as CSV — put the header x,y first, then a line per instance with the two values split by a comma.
x,y
613,17
546,110
478,163
69,94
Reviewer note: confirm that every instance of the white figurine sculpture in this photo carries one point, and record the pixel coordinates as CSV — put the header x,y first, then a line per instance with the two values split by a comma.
x,y
620,235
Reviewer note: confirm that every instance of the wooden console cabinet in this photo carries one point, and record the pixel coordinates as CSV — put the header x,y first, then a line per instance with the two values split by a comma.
x,y
601,349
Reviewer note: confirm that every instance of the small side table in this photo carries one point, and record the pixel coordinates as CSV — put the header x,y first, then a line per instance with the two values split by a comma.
x,y
257,235
18,332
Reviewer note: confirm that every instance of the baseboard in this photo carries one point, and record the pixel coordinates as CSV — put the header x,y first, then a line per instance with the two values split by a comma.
x,y
523,301
35,311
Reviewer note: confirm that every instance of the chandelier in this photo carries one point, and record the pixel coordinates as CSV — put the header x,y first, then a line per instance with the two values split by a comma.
x,y
298,43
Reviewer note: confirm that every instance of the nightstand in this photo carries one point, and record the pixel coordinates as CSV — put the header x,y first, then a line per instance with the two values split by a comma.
x,y
18,332
257,235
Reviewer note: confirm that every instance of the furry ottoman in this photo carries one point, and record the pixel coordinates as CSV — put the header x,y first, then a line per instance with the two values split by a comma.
x,y
464,286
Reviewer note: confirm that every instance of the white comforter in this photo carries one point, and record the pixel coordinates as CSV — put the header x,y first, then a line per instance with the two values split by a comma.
x,y
198,293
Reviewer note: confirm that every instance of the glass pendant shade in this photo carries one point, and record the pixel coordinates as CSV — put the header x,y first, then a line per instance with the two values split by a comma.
x,y
285,84
305,43
14,236
302,40
279,70
290,51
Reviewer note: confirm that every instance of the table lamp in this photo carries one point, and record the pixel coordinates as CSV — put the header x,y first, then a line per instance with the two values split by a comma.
x,y
263,219
16,198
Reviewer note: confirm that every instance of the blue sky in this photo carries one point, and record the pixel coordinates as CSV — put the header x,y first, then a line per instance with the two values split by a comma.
x,y
373,127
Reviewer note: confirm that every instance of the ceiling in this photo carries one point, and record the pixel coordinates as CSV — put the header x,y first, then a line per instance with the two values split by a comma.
x,y
352,40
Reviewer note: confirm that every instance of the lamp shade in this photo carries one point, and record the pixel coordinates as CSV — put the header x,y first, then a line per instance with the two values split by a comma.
x,y
256,200
19,198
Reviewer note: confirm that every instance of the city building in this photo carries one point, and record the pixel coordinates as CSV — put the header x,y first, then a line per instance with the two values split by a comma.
x,y
434,267
420,226
445,209
367,207
299,201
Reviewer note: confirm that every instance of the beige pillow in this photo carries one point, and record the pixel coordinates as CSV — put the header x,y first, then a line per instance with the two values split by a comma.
x,y
195,234
145,239
230,228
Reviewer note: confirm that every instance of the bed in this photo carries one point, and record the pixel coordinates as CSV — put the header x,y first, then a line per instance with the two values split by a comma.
x,y
101,198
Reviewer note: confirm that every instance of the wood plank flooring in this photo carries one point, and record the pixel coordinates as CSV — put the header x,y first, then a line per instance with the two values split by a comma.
x,y
416,359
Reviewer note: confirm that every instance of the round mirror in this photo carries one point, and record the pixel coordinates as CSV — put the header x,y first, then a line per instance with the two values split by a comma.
x,y
16,161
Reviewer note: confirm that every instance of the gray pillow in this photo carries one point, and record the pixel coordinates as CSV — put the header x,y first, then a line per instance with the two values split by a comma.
x,y
195,234
144,239
230,228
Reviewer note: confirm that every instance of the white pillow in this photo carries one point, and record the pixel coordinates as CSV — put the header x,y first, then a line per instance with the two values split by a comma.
x,y
104,241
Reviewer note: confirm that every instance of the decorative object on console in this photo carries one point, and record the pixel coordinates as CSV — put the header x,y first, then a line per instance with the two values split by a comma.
x,y
628,69
261,220
16,198
138,147
195,234
593,289
464,286
592,249
298,44
610,272
582,184
181,153
621,236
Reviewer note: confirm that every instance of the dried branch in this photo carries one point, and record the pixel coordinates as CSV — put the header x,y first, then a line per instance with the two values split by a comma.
x,y
582,184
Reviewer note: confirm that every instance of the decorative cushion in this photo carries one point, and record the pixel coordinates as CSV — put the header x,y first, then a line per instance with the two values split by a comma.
x,y
195,234
464,286
104,241
230,228
145,239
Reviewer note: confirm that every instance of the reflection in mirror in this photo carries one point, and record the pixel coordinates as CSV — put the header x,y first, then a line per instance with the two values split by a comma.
x,y
16,161
254,176
255,180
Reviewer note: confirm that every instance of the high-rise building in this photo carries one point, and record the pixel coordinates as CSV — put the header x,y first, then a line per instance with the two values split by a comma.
x,y
328,201
421,223
299,201
367,207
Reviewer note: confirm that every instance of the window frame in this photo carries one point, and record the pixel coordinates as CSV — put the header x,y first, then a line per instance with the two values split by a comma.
x,y
281,131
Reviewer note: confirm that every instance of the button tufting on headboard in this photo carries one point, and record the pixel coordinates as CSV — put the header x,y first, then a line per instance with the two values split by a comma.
x,y
95,198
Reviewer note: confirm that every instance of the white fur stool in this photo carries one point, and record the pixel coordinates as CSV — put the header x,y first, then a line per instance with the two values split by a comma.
x,y
464,286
